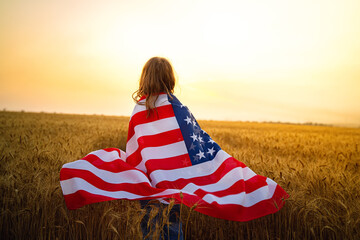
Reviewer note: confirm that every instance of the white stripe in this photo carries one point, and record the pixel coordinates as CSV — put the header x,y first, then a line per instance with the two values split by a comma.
x,y
161,101
128,176
166,151
151,128
225,182
245,199
134,176
106,156
198,170
75,184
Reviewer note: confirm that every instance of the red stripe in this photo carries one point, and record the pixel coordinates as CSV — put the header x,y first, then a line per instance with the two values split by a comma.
x,y
236,212
80,198
223,169
228,211
111,150
141,117
240,186
115,166
156,140
168,163
142,189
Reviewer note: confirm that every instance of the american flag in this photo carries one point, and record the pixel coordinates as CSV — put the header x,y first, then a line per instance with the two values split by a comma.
x,y
168,155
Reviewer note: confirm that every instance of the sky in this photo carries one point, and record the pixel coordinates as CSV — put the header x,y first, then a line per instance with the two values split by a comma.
x,y
258,60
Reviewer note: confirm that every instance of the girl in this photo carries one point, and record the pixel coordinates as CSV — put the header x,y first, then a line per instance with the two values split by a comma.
x,y
169,156
157,77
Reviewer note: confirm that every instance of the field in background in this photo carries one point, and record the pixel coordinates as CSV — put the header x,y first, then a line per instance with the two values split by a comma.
x,y
317,165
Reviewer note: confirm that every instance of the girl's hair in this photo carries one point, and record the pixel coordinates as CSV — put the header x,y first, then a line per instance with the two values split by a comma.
x,y
157,77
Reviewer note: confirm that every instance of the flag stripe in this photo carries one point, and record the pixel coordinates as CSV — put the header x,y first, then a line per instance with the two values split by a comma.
x,y
161,101
136,187
106,156
75,184
228,211
130,175
147,129
141,117
81,198
115,166
155,140
167,151
180,161
118,185
240,186
201,170
242,198
220,172
83,169
224,182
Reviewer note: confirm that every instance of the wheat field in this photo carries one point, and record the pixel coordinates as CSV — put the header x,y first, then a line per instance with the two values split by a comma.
x,y
317,165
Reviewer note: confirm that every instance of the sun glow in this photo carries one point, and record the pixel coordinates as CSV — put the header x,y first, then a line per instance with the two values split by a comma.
x,y
269,60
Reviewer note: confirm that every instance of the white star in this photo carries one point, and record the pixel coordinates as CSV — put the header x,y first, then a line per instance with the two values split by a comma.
x,y
182,106
211,141
200,154
188,120
194,137
203,131
194,123
200,139
211,151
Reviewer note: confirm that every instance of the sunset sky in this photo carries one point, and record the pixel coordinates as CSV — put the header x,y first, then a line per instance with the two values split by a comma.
x,y
289,61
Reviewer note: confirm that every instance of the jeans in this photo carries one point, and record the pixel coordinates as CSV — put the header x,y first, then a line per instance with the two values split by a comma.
x,y
175,227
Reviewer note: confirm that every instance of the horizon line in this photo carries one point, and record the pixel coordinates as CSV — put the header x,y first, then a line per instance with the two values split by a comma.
x,y
346,125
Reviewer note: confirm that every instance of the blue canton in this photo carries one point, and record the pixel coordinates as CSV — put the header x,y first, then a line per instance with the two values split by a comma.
x,y
200,146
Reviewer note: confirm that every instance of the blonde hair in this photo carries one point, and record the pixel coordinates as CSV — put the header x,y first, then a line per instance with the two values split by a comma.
x,y
157,77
